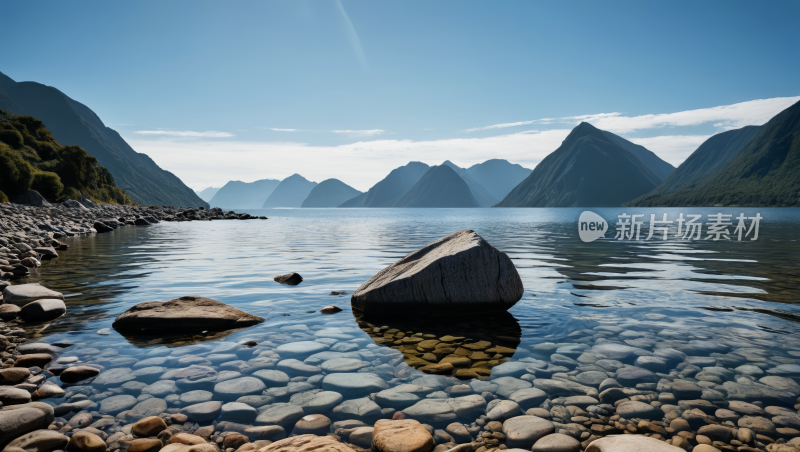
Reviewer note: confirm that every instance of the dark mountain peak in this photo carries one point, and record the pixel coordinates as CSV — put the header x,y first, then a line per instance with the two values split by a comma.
x,y
330,193
296,177
390,189
440,186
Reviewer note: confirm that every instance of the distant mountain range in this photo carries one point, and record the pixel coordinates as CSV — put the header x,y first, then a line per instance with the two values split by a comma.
x,y
73,123
290,192
207,193
498,176
440,186
752,166
591,168
244,195
330,193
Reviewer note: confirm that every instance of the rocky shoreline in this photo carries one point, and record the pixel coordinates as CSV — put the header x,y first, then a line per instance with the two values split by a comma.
x,y
336,385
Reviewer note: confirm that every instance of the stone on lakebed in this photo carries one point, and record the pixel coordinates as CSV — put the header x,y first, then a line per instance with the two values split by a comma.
x,y
460,273
185,313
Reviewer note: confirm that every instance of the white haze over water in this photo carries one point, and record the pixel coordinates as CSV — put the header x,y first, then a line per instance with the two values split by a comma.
x,y
205,163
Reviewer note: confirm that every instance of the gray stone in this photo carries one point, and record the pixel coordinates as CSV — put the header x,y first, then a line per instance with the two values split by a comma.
x,y
343,365
460,270
297,368
150,407
639,410
592,378
652,363
283,414
43,310
233,389
509,369
397,400
630,443
363,409
353,385
500,410
752,392
238,412
117,404
114,377
507,385
557,442
524,431
39,441
17,420
300,350
617,352
203,412
631,376
432,411
563,387
272,377
26,293
193,397
161,388
14,396
528,398
316,402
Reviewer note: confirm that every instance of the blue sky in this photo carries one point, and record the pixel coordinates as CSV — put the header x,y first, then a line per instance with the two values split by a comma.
x,y
246,90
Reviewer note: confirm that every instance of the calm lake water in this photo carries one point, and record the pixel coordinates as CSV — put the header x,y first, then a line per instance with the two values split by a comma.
x,y
742,294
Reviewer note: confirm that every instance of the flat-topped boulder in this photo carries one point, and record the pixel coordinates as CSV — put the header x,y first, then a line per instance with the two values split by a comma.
x,y
182,314
26,293
460,273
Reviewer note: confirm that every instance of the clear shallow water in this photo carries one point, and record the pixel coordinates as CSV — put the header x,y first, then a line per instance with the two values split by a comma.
x,y
738,294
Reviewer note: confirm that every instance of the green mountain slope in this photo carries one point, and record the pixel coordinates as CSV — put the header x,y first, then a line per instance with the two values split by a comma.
x,y
440,186
330,193
661,168
765,172
713,155
31,159
73,123
589,169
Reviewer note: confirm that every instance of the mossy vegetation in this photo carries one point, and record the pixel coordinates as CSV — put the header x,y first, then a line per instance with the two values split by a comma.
x,y
31,159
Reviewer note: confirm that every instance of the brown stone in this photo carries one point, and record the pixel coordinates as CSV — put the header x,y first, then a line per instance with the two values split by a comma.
x,y
87,442
33,360
143,444
440,369
330,310
457,361
291,279
405,435
149,426
78,373
186,438
307,443
14,375
205,432
235,440
185,313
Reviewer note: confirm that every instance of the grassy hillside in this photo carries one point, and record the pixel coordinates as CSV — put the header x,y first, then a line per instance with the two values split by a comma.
x,y
31,159
764,173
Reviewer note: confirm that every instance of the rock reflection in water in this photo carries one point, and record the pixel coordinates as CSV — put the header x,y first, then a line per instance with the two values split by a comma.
x,y
465,348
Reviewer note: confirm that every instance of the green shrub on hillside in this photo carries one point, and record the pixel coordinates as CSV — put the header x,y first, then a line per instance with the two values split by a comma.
x,y
30,158
3,197
17,173
47,184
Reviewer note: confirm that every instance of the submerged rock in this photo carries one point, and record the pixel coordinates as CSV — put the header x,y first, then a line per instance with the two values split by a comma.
x,y
291,279
460,273
401,435
185,313
43,310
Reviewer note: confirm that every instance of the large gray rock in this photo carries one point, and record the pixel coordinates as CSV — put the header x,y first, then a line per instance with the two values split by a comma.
x,y
354,385
43,310
17,420
26,293
185,313
117,404
458,273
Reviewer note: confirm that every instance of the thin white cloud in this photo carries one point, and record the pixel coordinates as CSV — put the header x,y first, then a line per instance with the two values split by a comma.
x,y
360,133
185,133
673,149
275,129
725,117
